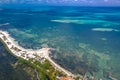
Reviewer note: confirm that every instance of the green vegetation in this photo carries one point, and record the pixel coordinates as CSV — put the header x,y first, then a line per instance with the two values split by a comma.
x,y
45,70
10,69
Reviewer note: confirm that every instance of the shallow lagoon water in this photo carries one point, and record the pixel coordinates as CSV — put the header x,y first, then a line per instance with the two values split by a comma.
x,y
80,48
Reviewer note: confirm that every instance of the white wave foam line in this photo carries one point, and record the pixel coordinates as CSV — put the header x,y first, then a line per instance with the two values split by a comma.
x,y
78,21
4,24
105,29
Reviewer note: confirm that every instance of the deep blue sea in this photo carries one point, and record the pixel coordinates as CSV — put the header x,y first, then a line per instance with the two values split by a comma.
x,y
86,39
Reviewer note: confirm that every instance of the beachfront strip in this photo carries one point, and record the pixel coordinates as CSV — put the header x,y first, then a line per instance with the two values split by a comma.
x,y
31,54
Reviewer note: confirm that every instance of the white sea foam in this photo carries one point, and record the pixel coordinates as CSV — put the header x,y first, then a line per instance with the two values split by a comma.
x,y
66,21
78,21
4,24
105,29
104,39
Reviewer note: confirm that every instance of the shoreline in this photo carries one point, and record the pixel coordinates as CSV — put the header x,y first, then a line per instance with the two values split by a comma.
x,y
27,54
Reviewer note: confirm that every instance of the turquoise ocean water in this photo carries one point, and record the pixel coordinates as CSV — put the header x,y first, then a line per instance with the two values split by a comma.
x,y
86,39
